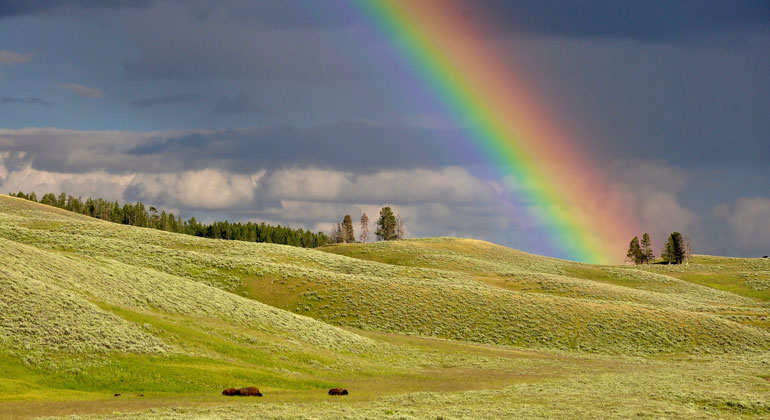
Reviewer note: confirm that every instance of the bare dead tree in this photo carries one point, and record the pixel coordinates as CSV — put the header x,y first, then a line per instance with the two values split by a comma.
x,y
686,244
335,233
399,227
364,236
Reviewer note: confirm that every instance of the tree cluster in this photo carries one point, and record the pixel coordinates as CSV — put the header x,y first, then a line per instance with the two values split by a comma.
x,y
675,251
389,227
640,252
343,233
140,215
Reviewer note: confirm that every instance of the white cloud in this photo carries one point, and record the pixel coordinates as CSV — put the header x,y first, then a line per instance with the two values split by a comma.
x,y
208,189
84,91
10,58
651,190
96,183
448,185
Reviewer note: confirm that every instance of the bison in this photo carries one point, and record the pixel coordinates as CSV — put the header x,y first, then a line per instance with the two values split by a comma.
x,y
338,391
230,392
249,392
116,395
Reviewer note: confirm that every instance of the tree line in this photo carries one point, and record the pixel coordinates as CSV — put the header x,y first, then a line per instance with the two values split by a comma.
x,y
140,215
390,227
675,251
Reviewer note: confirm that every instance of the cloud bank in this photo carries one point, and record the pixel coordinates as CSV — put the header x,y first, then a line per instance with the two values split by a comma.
x,y
439,199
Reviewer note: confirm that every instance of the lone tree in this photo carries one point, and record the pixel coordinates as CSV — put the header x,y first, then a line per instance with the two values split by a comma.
x,y
647,255
634,253
386,225
348,236
674,252
364,236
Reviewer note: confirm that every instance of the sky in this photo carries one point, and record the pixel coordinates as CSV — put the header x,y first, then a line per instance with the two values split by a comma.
x,y
284,112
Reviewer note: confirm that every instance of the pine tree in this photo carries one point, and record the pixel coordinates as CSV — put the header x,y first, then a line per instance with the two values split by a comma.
x,y
364,237
348,235
61,201
647,255
634,253
386,225
48,199
674,250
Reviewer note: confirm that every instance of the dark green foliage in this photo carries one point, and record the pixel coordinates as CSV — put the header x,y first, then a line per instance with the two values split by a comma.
x,y
674,250
386,225
634,253
640,252
346,230
138,215
647,255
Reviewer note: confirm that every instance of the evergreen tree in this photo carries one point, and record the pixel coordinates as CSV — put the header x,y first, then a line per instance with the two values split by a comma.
x,y
364,237
347,233
674,250
647,255
386,225
634,253
48,199
61,201
137,215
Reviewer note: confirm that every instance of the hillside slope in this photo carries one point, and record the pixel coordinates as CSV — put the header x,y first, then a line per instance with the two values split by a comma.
x,y
456,289
89,309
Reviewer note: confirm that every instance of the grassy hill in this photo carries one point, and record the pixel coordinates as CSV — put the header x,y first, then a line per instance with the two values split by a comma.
x,y
426,328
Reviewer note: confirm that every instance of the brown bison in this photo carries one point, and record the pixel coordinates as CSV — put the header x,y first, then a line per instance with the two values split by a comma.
x,y
249,392
230,392
338,391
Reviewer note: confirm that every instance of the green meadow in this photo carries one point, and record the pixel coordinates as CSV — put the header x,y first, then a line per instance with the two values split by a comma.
x,y
436,328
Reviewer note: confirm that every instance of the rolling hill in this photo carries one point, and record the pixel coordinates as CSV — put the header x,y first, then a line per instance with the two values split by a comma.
x,y
424,328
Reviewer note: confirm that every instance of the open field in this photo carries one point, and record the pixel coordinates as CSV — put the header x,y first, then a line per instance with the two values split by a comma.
x,y
431,328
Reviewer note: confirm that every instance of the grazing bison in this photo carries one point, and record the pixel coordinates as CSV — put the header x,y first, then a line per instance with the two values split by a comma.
x,y
230,392
338,391
116,395
249,392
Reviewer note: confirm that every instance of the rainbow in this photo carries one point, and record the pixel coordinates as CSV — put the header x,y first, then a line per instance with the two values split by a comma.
x,y
578,212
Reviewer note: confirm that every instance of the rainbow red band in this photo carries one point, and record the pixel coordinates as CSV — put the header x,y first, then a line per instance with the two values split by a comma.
x,y
575,207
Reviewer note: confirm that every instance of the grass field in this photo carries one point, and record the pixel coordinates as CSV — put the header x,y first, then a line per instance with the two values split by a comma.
x,y
426,329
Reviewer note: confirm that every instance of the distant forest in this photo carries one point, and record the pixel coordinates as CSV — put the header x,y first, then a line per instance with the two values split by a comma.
x,y
140,215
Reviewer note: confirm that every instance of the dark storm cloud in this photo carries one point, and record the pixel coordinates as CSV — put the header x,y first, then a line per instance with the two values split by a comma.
x,y
25,101
351,146
236,104
345,146
651,20
167,100
31,7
